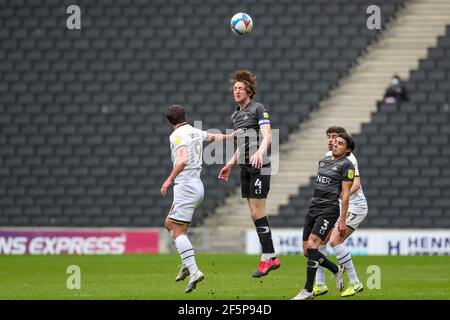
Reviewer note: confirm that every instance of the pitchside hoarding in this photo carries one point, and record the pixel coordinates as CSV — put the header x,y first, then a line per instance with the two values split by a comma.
x,y
364,242
90,242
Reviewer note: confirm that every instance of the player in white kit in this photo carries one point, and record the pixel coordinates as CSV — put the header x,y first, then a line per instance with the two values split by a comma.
x,y
357,212
186,144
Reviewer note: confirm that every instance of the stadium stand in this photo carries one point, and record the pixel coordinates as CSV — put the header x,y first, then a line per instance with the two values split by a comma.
x,y
403,154
83,139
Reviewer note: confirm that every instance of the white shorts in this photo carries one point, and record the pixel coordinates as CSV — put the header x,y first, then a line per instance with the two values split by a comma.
x,y
186,198
354,220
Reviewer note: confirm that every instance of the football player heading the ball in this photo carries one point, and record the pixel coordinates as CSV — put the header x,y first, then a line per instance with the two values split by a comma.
x,y
250,119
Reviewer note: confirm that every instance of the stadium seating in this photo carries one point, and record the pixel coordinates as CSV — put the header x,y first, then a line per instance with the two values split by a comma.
x,y
83,138
403,154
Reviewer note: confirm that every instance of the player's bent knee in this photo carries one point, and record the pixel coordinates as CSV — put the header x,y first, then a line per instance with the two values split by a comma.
x,y
313,244
256,216
335,240
168,224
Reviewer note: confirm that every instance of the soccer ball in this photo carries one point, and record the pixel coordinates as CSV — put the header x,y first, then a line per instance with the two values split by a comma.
x,y
241,24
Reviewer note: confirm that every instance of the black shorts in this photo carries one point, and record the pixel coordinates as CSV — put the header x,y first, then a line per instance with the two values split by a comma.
x,y
320,222
253,183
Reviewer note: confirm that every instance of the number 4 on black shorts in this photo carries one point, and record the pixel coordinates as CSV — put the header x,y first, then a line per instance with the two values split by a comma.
x,y
254,184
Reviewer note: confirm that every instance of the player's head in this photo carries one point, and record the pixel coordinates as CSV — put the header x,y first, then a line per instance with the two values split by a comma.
x,y
243,85
343,145
332,133
176,114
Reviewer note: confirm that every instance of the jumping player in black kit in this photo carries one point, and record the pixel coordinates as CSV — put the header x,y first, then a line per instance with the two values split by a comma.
x,y
249,120
334,179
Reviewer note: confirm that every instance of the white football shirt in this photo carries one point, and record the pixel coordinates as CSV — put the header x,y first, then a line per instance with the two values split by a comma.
x,y
192,138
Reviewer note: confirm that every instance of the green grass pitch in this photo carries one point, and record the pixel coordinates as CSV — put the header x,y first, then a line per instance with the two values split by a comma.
x,y
227,277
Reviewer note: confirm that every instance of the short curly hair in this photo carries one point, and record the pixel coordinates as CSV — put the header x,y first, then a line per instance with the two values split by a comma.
x,y
248,78
335,129
349,140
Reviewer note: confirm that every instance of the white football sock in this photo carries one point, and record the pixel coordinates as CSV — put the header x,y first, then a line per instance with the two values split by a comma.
x,y
267,256
186,252
175,244
320,274
345,258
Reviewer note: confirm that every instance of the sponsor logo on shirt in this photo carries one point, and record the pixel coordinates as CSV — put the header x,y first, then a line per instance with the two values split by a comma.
x,y
351,174
323,179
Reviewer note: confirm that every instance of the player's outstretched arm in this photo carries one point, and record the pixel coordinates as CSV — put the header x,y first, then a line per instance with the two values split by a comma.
x,y
219,137
180,163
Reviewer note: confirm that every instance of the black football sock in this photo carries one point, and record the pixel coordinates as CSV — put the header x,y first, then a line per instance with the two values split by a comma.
x,y
315,258
311,269
326,263
265,235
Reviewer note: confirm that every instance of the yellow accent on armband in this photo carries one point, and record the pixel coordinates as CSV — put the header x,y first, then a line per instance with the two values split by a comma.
x,y
351,174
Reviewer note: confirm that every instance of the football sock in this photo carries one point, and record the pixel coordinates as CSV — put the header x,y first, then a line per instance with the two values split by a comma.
x,y
186,252
268,256
320,275
175,244
324,262
315,258
311,269
345,258
265,238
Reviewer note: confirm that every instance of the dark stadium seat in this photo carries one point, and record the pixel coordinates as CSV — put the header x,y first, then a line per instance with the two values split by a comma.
x,y
403,154
83,139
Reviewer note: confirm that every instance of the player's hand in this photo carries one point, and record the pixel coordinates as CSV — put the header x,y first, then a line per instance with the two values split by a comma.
x,y
256,160
166,185
224,174
342,227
